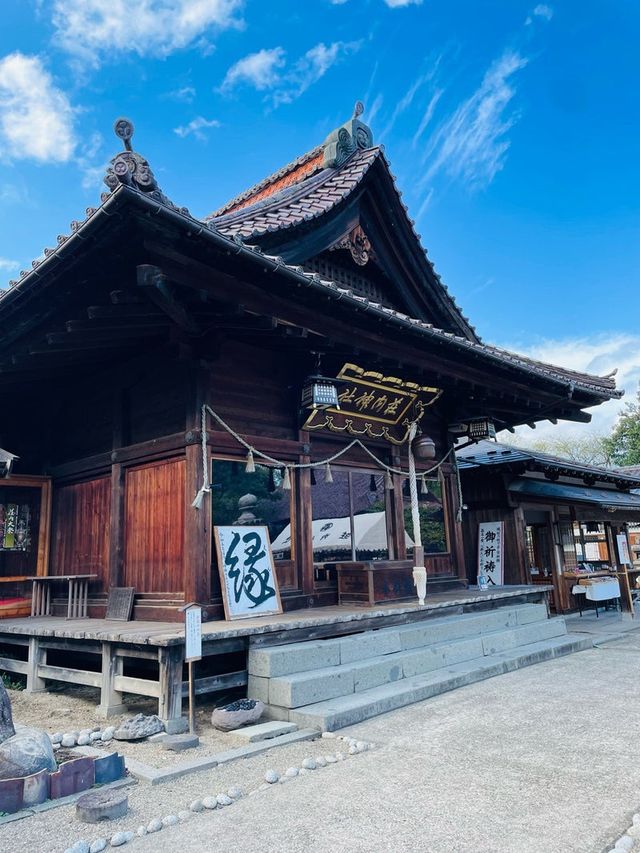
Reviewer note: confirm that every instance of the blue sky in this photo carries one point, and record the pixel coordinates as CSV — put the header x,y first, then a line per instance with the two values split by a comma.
x,y
512,128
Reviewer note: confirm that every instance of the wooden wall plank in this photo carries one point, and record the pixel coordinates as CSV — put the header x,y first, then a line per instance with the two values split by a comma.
x,y
80,528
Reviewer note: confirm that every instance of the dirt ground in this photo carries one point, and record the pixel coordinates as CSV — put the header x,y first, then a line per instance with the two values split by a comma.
x,y
75,709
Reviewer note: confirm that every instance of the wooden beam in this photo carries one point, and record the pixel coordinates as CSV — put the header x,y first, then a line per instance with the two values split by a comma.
x,y
153,281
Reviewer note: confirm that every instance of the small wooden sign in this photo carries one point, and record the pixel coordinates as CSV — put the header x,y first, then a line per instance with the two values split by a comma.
x,y
193,632
623,549
490,560
247,572
120,603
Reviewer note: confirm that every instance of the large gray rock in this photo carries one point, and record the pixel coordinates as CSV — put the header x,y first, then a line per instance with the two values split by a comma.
x,y
237,714
139,727
25,753
6,721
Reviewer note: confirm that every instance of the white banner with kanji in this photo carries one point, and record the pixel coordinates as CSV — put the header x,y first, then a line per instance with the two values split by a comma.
x,y
490,563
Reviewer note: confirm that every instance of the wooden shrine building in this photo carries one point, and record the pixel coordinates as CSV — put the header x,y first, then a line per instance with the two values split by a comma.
x,y
141,313
561,519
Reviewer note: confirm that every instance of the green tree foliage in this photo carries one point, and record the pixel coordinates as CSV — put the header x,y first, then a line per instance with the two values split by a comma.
x,y
624,443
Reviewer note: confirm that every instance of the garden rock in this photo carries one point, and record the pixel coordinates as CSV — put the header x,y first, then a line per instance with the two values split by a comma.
x,y
271,777
68,740
25,753
141,831
309,764
237,714
84,740
7,728
154,825
108,733
178,743
292,772
169,820
102,805
223,800
321,761
120,838
98,845
78,847
94,736
139,727
196,806
210,802
235,793
56,738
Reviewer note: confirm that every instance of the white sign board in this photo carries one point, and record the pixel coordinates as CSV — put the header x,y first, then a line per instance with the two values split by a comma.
x,y
193,633
623,549
490,540
247,572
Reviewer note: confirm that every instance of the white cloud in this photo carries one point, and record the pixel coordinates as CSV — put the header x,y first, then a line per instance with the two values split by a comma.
x,y
186,94
260,70
9,266
374,110
427,115
92,29
267,70
397,4
196,126
540,11
598,355
472,143
36,118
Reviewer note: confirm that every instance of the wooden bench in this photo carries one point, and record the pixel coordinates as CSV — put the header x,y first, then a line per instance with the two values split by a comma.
x,y
77,594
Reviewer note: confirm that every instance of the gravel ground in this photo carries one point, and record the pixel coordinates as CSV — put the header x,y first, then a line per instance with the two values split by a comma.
x,y
75,709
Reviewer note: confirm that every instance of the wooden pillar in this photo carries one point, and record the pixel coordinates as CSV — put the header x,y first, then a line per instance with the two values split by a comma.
x,y
170,661
456,543
110,699
117,531
303,515
37,656
198,532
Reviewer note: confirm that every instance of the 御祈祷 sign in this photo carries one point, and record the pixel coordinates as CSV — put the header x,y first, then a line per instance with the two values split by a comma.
x,y
490,562
373,404
247,572
193,632
623,549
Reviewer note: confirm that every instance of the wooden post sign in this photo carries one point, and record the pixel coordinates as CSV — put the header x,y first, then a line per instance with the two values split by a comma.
x,y
490,562
623,549
247,573
192,652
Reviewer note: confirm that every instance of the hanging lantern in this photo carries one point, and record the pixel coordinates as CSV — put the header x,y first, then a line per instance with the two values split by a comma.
x,y
328,475
250,467
423,447
286,481
388,480
6,462
319,392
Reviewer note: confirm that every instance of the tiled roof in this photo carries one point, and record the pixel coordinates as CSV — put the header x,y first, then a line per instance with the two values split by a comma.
x,y
603,387
298,202
493,453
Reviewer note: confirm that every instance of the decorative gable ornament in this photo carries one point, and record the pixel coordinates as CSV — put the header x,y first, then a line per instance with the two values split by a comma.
x,y
347,139
130,168
358,244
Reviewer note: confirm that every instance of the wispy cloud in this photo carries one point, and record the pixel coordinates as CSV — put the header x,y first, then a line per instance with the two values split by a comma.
x,y
94,30
268,71
397,4
540,11
427,115
92,162
404,103
373,111
471,145
197,126
185,95
599,355
260,70
9,266
36,117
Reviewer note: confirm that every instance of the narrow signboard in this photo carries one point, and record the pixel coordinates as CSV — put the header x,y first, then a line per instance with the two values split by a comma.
x,y
490,559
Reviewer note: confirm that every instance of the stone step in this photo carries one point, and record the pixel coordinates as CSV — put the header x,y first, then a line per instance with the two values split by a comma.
x,y
290,658
348,710
265,731
305,688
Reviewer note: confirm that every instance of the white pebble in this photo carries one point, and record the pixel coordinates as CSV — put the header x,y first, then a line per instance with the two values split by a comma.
x,y
223,800
625,843
154,825
292,772
96,729
271,777
107,734
302,771
68,740
79,847
362,746
210,802
234,792
118,839
196,806
331,759
141,831
98,845
309,764
183,815
328,735
84,740
169,820
94,736
56,738
634,831
321,761
353,750
339,756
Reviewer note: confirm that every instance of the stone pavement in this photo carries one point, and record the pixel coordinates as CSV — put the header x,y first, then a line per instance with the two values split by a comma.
x,y
541,760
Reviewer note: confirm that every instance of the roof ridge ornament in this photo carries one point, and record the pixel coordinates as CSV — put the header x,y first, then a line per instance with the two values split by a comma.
x,y
131,169
347,139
